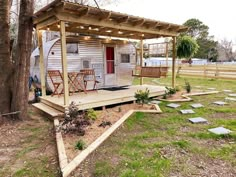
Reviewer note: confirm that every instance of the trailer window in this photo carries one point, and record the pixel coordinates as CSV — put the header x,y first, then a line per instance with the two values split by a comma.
x,y
125,58
72,47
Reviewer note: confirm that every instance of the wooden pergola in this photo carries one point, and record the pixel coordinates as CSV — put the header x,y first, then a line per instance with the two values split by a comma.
x,y
65,16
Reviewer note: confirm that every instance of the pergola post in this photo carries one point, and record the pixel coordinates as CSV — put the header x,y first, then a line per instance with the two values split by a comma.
x,y
141,59
64,63
167,54
41,62
173,61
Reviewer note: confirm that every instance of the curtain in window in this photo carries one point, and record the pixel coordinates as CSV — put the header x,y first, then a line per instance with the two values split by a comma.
x,y
110,60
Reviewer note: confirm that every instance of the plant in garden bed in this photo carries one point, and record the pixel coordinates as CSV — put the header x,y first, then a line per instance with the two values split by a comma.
x,y
187,87
80,145
169,92
91,114
142,96
75,121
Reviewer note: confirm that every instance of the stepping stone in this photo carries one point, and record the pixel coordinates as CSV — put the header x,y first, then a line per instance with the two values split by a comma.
x,y
155,102
220,131
187,111
228,91
197,105
220,103
197,120
211,88
233,94
230,99
173,105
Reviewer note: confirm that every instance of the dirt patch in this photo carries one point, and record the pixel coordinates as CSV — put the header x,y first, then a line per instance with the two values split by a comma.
x,y
93,131
28,147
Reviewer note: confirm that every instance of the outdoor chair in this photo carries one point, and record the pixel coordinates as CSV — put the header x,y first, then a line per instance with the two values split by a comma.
x,y
89,76
57,81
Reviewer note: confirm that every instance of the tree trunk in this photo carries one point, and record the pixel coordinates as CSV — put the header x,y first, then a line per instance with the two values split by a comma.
x,y
5,62
22,60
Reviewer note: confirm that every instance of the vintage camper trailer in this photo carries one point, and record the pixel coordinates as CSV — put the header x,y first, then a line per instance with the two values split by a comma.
x,y
112,60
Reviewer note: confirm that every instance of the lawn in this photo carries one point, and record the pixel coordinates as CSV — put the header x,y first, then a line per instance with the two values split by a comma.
x,y
28,147
167,144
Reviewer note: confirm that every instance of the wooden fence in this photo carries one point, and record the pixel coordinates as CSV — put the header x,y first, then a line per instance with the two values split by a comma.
x,y
218,71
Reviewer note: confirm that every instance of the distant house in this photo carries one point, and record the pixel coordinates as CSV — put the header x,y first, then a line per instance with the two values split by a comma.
x,y
89,52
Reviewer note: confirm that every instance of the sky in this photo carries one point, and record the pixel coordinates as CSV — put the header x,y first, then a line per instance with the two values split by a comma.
x,y
218,15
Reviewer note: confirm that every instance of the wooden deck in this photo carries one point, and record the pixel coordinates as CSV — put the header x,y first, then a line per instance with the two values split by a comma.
x,y
101,98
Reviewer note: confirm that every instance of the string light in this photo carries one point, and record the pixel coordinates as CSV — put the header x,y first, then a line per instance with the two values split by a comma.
x,y
48,28
58,25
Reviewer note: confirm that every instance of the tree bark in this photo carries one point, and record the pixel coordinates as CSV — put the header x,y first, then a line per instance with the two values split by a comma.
x,y
5,62
22,60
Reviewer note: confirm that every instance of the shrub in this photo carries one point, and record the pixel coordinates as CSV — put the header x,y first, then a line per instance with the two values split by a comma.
x,y
91,114
142,96
169,91
80,145
74,122
187,87
73,111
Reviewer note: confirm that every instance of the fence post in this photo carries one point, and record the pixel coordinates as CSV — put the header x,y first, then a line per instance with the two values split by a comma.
x,y
217,71
204,72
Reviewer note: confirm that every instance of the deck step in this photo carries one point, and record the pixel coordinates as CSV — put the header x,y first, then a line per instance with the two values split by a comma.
x,y
47,109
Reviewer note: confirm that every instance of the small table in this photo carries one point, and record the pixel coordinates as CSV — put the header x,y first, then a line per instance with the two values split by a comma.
x,y
76,81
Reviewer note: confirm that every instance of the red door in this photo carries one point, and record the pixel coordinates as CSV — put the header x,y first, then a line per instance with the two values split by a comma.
x,y
110,60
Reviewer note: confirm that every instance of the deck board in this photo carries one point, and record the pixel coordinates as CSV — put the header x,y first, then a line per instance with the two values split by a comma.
x,y
102,97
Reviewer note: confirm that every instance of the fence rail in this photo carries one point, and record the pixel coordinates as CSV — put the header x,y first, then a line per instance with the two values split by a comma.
x,y
218,71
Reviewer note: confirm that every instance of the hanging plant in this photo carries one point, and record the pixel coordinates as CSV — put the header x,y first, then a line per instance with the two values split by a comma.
x,y
186,47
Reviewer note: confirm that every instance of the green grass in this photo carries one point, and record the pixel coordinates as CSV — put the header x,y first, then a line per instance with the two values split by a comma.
x,y
33,150
26,150
160,145
35,168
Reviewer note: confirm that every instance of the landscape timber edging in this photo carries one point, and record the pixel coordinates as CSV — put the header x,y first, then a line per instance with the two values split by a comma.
x,y
63,160
67,168
186,97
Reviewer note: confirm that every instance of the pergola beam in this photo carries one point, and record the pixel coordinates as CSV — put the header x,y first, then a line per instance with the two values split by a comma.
x,y
138,22
44,17
48,22
105,16
122,19
111,24
80,11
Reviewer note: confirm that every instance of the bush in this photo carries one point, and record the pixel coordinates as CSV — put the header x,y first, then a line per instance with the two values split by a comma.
x,y
142,96
91,114
75,121
187,87
80,145
169,91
